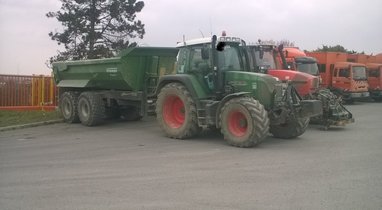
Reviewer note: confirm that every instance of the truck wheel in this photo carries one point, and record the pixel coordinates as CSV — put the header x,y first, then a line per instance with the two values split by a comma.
x,y
91,109
290,129
68,107
131,114
244,122
176,112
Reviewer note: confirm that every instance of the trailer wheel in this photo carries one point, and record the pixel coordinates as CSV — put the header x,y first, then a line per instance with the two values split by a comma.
x,y
68,107
244,122
91,109
290,129
131,114
176,112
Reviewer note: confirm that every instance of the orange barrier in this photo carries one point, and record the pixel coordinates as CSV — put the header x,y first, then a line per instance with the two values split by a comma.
x,y
27,92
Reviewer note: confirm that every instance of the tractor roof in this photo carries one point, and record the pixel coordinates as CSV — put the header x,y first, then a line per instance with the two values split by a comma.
x,y
207,40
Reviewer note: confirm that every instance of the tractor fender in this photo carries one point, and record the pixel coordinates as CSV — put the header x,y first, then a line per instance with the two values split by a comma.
x,y
224,100
182,79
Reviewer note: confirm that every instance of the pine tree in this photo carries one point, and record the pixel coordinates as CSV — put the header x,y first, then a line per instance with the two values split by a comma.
x,y
96,28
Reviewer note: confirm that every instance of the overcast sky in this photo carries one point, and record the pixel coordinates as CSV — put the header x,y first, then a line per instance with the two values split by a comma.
x,y
25,45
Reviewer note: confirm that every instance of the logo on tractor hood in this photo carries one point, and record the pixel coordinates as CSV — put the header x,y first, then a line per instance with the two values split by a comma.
x,y
237,83
112,70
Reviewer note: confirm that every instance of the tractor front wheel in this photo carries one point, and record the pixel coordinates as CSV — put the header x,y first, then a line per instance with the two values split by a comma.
x,y
244,122
176,112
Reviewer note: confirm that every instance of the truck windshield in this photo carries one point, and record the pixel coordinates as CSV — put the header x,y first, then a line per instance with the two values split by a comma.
x,y
267,62
309,68
229,59
359,73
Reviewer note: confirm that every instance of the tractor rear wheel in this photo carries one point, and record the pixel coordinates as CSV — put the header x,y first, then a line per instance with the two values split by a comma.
x,y
293,128
68,107
91,109
176,112
244,122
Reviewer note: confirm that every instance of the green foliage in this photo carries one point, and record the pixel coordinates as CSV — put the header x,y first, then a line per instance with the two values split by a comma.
x,y
96,28
336,48
9,118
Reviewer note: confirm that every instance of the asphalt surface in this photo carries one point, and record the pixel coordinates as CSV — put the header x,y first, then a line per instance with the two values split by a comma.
x,y
131,165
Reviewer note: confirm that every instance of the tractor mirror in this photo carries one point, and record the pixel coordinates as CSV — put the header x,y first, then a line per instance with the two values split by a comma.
x,y
220,46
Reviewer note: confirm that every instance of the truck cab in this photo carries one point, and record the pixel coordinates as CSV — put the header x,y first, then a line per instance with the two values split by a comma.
x,y
350,80
344,78
374,71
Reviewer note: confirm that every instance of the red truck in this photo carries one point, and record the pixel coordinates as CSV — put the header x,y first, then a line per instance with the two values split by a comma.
x,y
344,78
271,60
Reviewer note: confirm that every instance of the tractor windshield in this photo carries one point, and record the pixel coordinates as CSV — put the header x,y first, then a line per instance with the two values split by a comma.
x,y
309,68
229,59
266,61
359,73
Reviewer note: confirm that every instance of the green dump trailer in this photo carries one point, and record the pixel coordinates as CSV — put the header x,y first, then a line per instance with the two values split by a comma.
x,y
122,84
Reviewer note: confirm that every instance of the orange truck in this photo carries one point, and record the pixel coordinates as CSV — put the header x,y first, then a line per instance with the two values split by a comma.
x,y
374,78
344,78
378,58
374,68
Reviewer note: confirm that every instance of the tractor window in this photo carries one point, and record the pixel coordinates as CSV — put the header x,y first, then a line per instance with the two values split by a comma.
x,y
291,65
197,61
359,73
182,60
267,62
344,73
374,73
228,59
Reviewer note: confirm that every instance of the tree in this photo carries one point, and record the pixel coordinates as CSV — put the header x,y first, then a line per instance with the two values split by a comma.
x,y
336,48
96,28
285,43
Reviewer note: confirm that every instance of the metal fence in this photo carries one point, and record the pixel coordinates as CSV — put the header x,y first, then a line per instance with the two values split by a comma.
x,y
27,92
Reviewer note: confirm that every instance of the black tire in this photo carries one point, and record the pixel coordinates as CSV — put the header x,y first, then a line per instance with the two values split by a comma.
x,y
176,112
244,122
112,113
290,129
91,109
68,107
131,114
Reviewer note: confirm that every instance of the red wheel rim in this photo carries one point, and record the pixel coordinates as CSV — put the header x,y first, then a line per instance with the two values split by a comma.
x,y
237,123
173,111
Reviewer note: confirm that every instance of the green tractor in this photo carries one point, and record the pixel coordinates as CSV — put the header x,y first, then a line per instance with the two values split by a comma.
x,y
211,89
